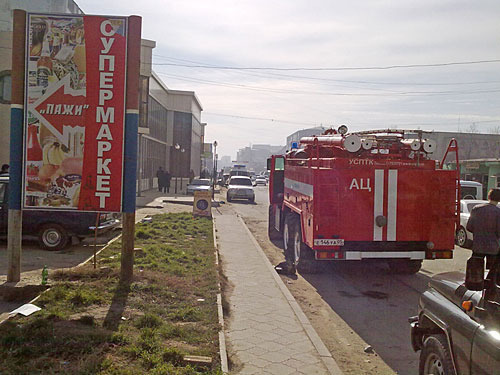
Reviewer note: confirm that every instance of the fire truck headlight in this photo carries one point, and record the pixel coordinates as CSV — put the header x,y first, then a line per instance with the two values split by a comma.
x,y
430,245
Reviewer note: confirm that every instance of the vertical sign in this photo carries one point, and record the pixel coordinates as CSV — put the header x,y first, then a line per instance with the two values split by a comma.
x,y
74,123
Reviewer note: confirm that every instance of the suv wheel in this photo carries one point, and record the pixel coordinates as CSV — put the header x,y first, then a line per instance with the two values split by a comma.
x,y
435,358
53,237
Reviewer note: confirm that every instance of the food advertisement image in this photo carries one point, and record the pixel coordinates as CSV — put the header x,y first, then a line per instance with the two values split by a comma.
x,y
74,123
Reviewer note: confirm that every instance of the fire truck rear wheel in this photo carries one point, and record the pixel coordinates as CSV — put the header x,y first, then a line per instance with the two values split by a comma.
x,y
404,266
298,251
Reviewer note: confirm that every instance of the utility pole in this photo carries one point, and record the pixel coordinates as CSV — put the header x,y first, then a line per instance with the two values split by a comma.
x,y
215,169
15,215
131,130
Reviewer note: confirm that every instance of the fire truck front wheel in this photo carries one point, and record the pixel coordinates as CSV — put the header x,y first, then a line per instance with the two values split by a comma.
x,y
404,266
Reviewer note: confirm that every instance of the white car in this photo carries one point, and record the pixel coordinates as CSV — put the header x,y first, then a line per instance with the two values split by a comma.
x,y
240,187
199,184
261,180
463,236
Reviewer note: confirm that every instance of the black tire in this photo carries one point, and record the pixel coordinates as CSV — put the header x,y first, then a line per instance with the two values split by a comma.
x,y
300,254
229,198
404,266
435,357
252,200
461,238
52,237
271,230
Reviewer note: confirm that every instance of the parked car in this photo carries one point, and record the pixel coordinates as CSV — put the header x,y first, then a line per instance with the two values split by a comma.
x,y
54,229
199,184
240,187
260,180
457,330
471,190
463,237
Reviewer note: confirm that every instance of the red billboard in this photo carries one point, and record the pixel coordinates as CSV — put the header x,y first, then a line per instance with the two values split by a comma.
x,y
74,122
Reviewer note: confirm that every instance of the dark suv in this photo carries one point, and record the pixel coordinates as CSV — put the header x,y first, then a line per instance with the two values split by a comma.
x,y
54,229
458,330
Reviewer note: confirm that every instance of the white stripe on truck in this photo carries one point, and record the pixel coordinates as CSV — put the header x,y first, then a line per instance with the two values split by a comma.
x,y
378,203
299,187
392,204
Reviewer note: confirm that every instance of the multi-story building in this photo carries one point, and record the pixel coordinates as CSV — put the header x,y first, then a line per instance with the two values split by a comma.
x,y
255,157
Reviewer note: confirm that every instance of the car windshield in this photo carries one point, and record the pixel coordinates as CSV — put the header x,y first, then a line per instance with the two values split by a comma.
x,y
241,181
200,182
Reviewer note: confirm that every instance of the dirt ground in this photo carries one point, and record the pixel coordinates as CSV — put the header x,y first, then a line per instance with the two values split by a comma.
x,y
33,259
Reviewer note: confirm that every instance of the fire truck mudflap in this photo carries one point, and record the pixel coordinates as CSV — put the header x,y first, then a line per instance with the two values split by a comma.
x,y
370,195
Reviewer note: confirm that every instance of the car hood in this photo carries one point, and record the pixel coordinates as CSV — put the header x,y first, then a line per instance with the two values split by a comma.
x,y
199,187
451,286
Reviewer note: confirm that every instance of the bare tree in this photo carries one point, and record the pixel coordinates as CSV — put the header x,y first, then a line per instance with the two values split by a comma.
x,y
472,128
494,129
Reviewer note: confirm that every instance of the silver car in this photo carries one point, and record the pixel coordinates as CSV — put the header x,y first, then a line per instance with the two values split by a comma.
x,y
199,184
240,187
463,236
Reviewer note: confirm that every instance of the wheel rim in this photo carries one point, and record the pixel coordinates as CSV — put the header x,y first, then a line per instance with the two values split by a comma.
x,y
296,247
461,237
433,365
51,237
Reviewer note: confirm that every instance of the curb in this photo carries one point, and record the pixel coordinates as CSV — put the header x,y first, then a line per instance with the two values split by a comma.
x,y
222,338
324,353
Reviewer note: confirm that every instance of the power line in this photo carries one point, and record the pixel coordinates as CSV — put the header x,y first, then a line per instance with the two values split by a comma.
x,y
304,92
333,69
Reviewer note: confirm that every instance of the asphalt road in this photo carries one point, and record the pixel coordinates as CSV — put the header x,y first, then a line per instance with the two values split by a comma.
x,y
373,302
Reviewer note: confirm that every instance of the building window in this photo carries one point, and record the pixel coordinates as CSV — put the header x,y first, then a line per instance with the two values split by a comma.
x,y
5,87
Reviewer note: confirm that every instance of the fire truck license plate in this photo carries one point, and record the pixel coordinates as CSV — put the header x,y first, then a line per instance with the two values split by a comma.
x,y
328,242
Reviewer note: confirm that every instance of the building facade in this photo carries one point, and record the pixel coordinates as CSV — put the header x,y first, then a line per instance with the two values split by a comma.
x,y
255,157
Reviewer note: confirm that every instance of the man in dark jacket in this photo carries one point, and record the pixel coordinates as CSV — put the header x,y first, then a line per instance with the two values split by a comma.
x,y
484,223
160,174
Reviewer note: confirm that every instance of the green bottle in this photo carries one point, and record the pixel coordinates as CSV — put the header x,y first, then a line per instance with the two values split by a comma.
x,y
45,275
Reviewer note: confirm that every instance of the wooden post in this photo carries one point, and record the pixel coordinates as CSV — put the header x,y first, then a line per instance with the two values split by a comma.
x,y
15,215
131,130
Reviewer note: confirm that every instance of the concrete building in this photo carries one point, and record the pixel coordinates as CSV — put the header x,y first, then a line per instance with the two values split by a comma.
x,y
255,157
295,137
6,9
485,171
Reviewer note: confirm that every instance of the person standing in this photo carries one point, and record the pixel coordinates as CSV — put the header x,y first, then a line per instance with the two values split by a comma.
x,y
5,169
160,176
168,176
484,224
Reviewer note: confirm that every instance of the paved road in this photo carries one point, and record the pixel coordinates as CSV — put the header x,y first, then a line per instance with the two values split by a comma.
x,y
374,303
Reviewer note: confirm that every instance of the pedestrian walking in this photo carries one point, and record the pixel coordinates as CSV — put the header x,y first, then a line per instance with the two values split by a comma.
x,y
4,170
160,176
168,177
484,224
191,176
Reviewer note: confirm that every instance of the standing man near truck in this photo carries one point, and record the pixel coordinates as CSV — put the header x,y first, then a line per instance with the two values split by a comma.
x,y
484,224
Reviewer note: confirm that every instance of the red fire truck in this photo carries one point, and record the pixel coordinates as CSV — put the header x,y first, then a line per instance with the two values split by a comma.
x,y
365,195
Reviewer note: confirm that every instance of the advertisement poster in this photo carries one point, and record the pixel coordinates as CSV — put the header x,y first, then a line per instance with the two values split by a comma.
x,y
74,122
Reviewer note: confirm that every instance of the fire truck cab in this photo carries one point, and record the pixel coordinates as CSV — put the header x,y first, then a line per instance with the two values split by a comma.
x,y
365,195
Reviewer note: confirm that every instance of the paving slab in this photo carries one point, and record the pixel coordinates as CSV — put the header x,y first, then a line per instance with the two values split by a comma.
x,y
266,332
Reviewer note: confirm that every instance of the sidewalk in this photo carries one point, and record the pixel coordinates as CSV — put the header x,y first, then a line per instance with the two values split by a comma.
x,y
267,332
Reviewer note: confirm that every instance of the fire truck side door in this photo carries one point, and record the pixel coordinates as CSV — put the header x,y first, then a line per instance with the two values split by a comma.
x,y
276,179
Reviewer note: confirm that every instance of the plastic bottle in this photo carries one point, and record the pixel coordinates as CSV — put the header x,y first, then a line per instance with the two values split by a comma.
x,y
45,275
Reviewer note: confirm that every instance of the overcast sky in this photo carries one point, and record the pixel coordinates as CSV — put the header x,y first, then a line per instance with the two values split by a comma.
x,y
244,107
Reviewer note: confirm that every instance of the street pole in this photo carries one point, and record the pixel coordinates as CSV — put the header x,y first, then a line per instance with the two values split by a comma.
x,y
15,215
130,165
215,169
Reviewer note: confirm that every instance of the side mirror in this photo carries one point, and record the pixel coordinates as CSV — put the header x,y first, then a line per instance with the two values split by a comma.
x,y
269,161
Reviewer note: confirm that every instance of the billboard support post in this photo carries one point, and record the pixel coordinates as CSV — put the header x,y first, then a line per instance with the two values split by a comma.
x,y
15,216
130,151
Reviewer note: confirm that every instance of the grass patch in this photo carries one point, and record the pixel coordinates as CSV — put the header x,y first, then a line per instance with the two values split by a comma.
x,y
92,324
